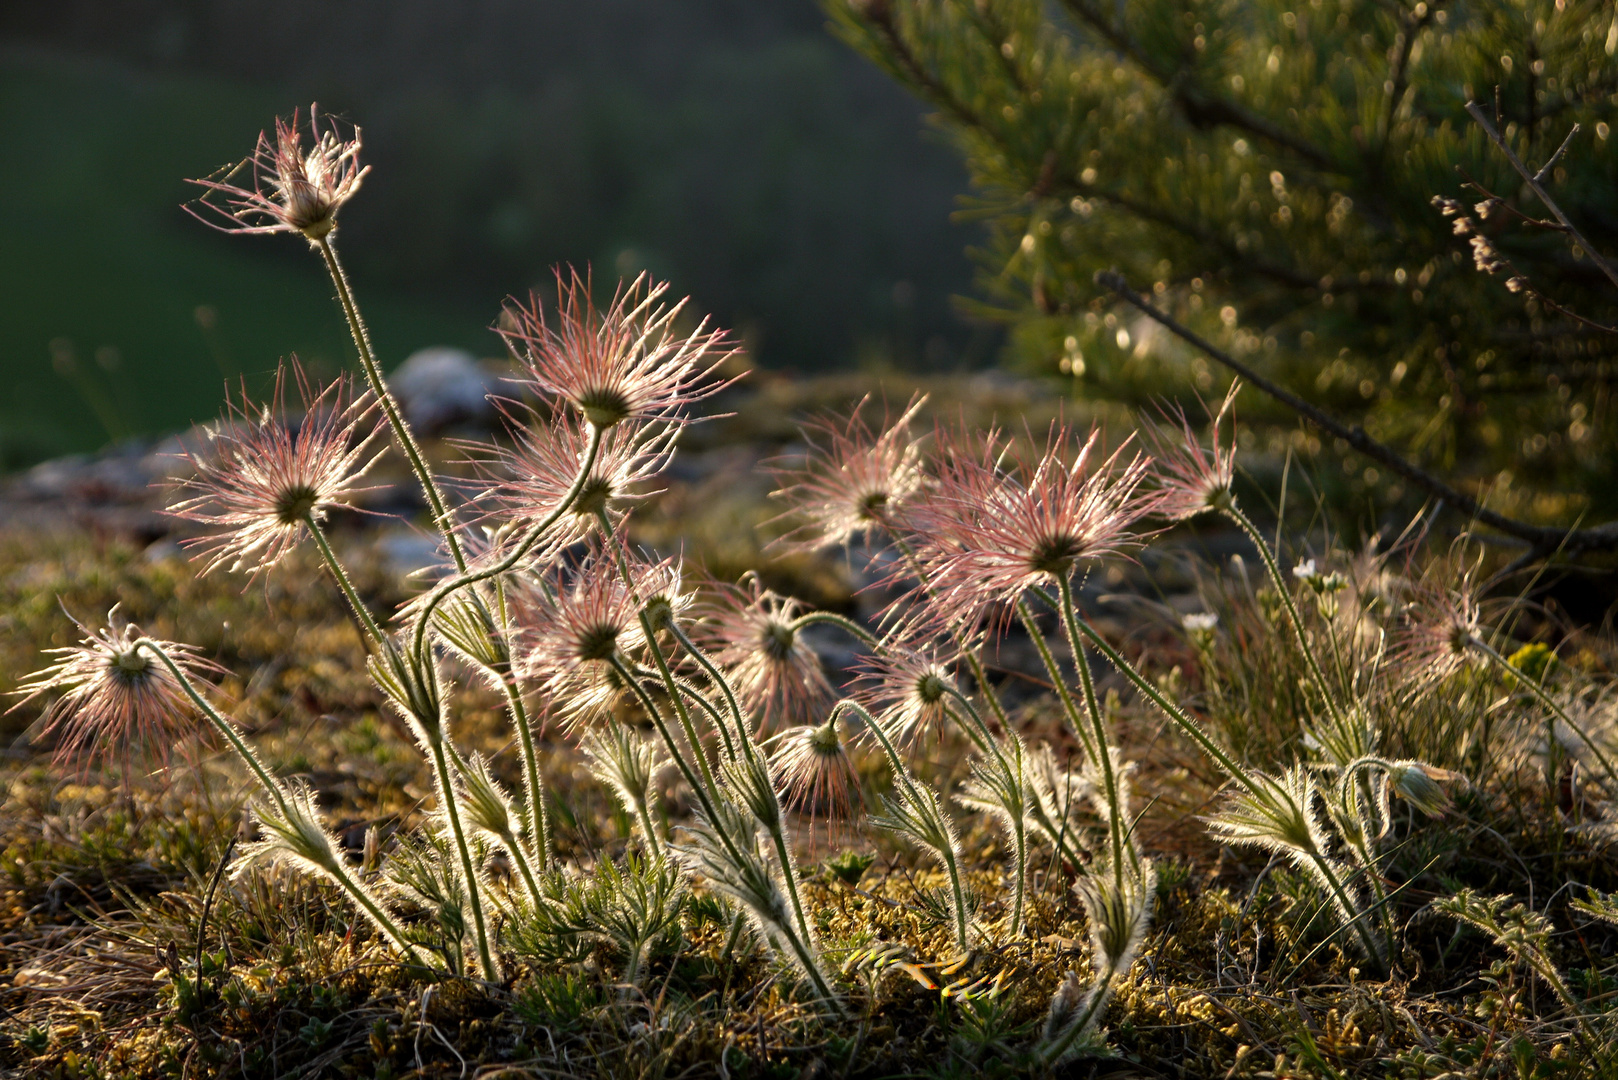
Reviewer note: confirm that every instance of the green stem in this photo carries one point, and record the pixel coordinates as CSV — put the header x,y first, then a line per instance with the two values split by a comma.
x,y
442,521
783,851
1019,845
644,813
1284,590
717,678
672,688
1081,663
1215,751
500,566
362,896
911,793
520,857
842,622
655,714
361,612
539,821
452,813
273,789
1174,712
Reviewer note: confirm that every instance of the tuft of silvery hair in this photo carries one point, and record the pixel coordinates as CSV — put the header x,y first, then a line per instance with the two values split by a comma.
x,y
625,763
724,850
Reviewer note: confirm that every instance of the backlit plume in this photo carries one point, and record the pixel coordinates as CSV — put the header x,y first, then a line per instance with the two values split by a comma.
x,y
997,525
777,675
266,476
118,699
624,364
286,188
853,480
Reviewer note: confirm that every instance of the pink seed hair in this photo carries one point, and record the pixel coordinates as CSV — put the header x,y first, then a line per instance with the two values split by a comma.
x,y
627,363
286,188
265,474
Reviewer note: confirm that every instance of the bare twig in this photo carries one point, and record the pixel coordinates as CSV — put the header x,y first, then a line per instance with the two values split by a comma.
x,y
1533,183
1542,539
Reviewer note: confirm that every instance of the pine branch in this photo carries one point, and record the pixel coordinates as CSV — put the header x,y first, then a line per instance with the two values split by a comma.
x,y
1542,539
1202,109
1533,182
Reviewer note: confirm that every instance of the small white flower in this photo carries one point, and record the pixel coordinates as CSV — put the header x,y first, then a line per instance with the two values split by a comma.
x,y
1199,622
1305,570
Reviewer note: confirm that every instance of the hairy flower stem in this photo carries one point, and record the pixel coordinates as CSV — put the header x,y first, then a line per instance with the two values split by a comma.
x,y
1093,739
362,896
798,937
672,688
1549,702
1081,662
452,813
703,790
538,816
442,521
1284,590
442,591
648,830
1229,765
783,850
912,794
361,612
842,622
272,788
524,866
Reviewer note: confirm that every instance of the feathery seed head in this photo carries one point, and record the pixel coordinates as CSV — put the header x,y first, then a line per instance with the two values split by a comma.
x,y
527,481
265,478
1191,479
625,364
907,688
772,668
287,188
1440,627
117,697
814,773
996,525
853,479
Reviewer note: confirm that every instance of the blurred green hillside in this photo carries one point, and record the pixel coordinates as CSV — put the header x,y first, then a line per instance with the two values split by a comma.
x,y
735,150
120,314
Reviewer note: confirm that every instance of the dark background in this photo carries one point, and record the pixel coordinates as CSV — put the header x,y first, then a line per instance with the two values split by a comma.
x,y
733,148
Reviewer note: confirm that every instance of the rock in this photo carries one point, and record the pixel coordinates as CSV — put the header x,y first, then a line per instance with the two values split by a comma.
x,y
407,551
440,386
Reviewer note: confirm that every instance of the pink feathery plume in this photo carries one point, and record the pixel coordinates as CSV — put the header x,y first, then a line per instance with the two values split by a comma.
x,y
265,477
772,668
853,479
116,700
995,525
815,776
288,188
1192,479
526,481
626,363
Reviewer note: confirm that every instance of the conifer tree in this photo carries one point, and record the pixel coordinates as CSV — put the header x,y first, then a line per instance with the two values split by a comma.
x,y
1266,170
